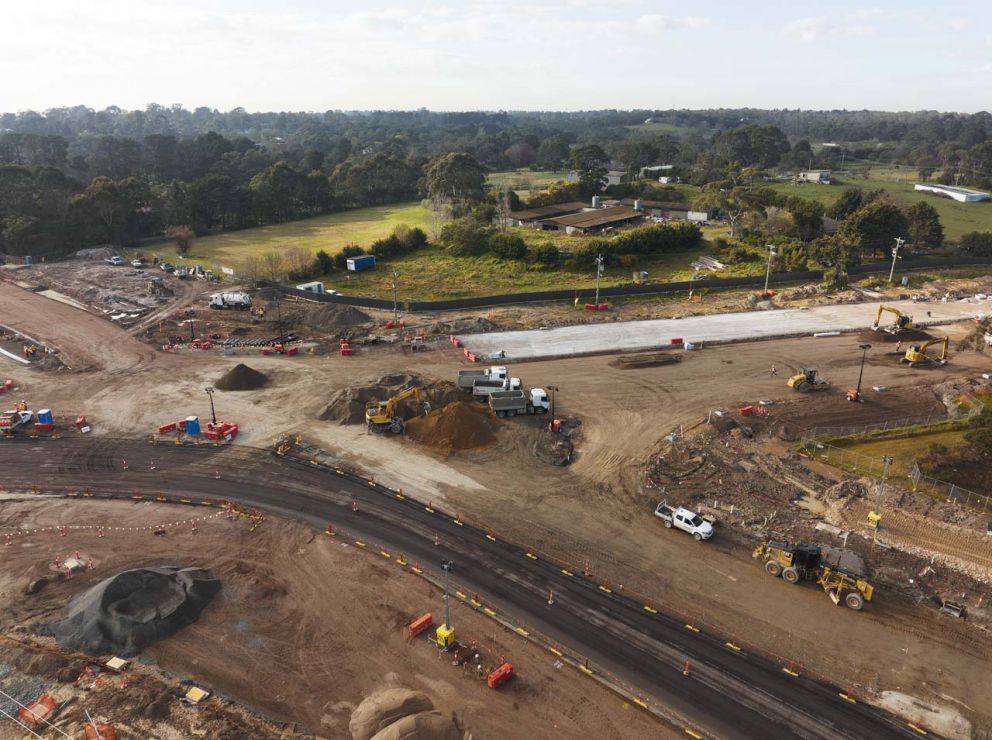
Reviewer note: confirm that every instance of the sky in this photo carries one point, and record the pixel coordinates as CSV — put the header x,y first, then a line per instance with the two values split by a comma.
x,y
496,54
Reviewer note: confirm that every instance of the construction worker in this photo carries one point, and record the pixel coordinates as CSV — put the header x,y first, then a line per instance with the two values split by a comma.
x,y
774,371
899,346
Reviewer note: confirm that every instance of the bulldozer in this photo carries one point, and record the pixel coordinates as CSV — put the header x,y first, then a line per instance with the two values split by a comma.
x,y
839,572
381,417
806,380
902,320
916,355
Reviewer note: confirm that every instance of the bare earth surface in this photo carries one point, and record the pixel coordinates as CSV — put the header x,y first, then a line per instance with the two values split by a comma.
x,y
598,509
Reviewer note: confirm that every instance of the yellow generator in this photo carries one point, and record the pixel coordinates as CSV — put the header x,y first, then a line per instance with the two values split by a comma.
x,y
806,380
838,572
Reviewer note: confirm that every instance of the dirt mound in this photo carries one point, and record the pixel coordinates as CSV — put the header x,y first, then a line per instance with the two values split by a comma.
x,y
422,726
557,448
241,378
347,406
382,708
329,316
467,325
847,489
94,253
632,362
903,335
126,613
461,425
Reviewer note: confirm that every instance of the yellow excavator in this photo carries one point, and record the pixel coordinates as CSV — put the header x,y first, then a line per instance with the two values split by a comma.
x,y
902,320
381,417
839,572
806,380
916,355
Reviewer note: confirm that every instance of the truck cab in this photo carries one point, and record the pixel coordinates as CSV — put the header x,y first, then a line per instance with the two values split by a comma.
x,y
684,519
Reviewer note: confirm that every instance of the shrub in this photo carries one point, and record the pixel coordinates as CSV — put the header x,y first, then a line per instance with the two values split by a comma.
x,y
548,254
465,237
508,246
386,248
977,243
325,261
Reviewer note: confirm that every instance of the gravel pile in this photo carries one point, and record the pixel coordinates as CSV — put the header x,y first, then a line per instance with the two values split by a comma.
x,y
462,425
241,378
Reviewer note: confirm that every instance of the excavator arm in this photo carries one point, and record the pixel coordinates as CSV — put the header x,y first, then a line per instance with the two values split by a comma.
x,y
902,321
943,342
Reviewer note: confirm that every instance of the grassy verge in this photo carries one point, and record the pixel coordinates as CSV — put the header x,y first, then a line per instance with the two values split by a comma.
x,y
862,453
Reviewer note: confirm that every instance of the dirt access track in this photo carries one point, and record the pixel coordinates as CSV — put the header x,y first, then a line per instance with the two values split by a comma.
x,y
596,510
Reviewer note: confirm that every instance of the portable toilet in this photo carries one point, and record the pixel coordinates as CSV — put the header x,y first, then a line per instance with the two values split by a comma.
x,y
193,426
45,416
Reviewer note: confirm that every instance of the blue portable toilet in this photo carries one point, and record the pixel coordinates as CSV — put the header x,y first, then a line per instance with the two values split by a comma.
x,y
193,426
45,416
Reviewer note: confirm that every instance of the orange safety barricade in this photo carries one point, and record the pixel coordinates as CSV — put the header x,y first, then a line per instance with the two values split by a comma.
x,y
420,625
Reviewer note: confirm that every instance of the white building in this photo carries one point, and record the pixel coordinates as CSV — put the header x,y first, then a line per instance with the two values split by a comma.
x,y
965,195
818,176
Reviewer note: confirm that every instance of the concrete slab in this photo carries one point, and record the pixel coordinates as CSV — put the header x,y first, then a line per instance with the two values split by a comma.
x,y
639,336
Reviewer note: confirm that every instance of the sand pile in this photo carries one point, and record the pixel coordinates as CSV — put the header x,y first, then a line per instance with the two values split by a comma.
x,y
400,714
347,406
903,335
126,613
241,378
462,425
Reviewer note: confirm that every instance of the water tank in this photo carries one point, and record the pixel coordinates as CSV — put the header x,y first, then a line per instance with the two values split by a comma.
x,y
595,201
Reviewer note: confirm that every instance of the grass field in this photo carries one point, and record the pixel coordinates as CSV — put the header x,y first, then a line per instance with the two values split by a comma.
x,y
330,233
523,181
957,218
903,450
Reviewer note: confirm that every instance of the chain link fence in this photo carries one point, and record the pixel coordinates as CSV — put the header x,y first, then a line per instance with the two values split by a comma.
x,y
948,491
841,457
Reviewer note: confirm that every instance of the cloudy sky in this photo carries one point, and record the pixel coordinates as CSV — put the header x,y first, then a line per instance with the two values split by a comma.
x,y
496,54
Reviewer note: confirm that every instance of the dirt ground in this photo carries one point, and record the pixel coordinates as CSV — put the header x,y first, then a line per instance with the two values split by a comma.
x,y
295,633
599,507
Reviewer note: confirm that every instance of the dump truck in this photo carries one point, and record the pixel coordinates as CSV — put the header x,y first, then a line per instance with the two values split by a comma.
x,y
468,378
684,519
512,403
806,380
841,573
485,388
239,301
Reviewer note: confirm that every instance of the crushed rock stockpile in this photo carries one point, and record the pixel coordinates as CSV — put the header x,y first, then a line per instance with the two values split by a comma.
x,y
347,406
462,425
328,316
400,714
128,612
241,378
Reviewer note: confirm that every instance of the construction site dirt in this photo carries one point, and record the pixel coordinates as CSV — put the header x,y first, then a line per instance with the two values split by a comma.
x,y
598,509
347,640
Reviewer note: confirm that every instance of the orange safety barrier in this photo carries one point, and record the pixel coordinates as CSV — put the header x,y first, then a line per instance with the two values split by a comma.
x,y
347,351
500,676
746,410
35,712
420,625
97,731
676,340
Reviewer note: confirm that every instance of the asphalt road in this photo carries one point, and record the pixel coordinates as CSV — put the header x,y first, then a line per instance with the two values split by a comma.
x,y
630,336
729,693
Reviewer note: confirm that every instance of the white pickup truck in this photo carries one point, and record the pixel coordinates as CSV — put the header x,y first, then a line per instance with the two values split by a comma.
x,y
687,521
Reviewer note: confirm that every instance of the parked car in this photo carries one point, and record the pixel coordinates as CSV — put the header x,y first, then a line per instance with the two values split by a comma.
x,y
115,261
137,264
166,267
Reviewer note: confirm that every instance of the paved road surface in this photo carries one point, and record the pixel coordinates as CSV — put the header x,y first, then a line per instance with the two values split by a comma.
x,y
729,694
627,336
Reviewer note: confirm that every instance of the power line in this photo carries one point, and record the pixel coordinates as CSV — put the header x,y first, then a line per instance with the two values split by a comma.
x,y
57,729
14,719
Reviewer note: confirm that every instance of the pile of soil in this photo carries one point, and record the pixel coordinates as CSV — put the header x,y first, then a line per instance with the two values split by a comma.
x,y
347,406
241,378
633,362
330,316
401,714
466,325
462,425
903,335
128,612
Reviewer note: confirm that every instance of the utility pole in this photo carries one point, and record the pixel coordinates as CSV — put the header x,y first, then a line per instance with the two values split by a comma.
x,y
395,305
895,253
599,272
768,272
864,353
213,414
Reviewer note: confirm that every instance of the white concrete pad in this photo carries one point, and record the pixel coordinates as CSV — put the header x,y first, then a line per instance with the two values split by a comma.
x,y
637,336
